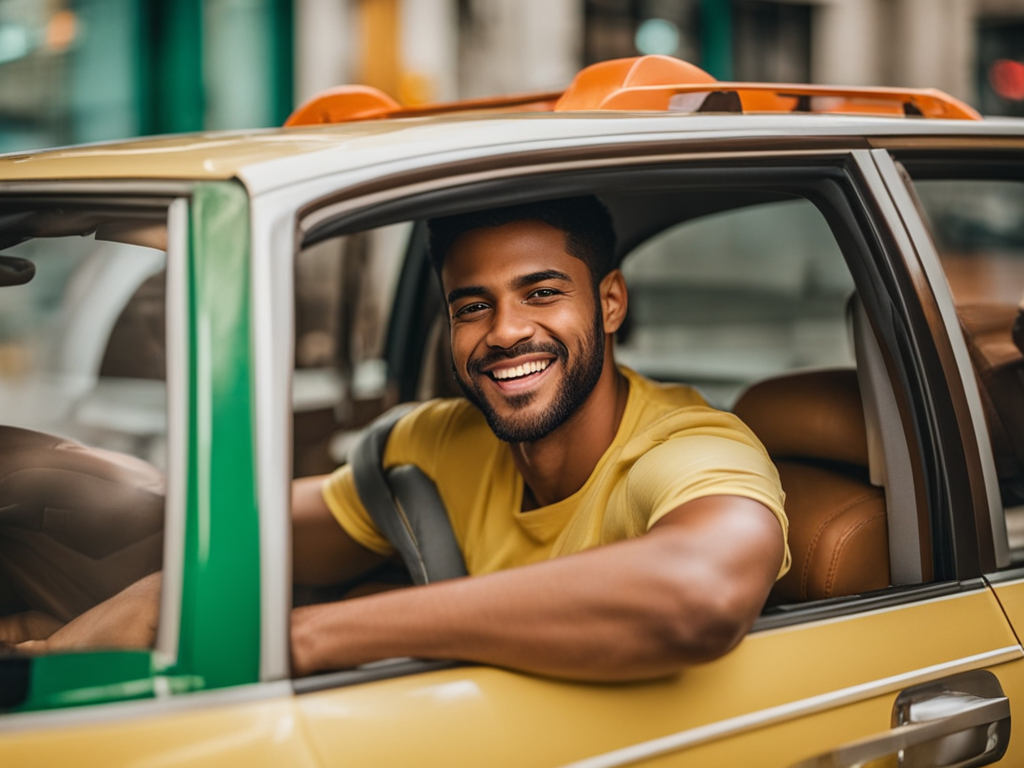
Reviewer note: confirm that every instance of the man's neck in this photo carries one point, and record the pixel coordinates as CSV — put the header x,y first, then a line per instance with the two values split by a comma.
x,y
557,466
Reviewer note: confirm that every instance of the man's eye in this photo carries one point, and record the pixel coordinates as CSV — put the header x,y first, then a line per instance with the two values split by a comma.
x,y
544,293
470,309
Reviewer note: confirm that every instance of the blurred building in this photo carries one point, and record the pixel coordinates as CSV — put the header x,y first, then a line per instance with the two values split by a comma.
x,y
89,70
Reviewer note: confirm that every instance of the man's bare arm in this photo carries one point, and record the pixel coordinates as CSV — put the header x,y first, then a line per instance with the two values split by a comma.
x,y
322,552
685,592
126,620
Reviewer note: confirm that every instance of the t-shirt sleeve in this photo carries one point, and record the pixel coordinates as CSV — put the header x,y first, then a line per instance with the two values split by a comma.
x,y
415,439
690,467
339,491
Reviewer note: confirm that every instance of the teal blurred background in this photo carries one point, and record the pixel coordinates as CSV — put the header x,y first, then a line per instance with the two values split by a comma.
x,y
75,71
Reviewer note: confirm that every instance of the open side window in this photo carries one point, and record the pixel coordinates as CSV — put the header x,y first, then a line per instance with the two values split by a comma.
x,y
769,290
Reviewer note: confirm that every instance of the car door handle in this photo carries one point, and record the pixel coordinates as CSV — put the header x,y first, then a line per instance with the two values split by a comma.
x,y
955,730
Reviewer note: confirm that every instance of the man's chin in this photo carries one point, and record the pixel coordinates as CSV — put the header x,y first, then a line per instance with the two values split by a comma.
x,y
523,417
516,419
518,430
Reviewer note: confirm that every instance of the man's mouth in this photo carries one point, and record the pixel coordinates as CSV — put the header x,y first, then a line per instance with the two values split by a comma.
x,y
521,371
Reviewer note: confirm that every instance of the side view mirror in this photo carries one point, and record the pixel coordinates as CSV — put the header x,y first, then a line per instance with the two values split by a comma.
x,y
15,271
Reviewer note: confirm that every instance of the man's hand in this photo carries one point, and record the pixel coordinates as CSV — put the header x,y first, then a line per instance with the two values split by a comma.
x,y
30,625
126,620
685,592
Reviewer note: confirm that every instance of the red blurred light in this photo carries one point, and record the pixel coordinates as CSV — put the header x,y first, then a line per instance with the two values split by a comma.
x,y
1007,78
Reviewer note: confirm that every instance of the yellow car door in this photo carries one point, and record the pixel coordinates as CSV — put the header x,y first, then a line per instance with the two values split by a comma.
x,y
783,696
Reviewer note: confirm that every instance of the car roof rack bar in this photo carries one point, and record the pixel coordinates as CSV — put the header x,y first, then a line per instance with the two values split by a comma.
x,y
348,103
795,98
650,84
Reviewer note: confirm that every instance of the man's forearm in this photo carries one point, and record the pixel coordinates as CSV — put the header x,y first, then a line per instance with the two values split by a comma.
x,y
637,609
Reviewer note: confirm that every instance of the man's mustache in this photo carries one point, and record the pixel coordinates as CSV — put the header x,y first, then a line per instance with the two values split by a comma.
x,y
559,350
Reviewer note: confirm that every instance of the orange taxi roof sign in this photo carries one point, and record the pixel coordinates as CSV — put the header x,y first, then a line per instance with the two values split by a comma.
x,y
651,84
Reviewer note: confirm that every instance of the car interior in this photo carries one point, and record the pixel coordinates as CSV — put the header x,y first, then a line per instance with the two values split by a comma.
x,y
743,294
82,406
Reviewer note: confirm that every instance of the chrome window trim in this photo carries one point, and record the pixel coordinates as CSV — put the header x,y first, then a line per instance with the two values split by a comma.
x,y
929,260
176,499
271,258
102,186
314,218
1011,581
790,711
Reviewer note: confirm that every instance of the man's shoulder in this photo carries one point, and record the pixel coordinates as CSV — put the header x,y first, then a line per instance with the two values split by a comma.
x,y
670,410
662,395
440,422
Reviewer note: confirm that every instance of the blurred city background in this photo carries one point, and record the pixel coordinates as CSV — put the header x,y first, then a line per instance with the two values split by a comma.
x,y
91,70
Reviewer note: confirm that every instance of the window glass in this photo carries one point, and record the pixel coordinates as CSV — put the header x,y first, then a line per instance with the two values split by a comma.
x,y
83,424
728,299
978,230
757,294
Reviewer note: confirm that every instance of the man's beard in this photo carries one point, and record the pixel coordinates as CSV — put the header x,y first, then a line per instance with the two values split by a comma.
x,y
578,381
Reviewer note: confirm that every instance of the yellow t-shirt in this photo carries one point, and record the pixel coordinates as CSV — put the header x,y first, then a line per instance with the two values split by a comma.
x,y
670,448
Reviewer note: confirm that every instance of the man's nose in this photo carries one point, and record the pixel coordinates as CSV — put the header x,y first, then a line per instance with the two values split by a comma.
x,y
510,325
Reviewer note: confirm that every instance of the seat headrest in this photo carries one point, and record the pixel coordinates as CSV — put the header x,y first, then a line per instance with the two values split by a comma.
x,y
815,415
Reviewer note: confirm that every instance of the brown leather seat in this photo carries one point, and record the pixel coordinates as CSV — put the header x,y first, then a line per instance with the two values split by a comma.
x,y
813,427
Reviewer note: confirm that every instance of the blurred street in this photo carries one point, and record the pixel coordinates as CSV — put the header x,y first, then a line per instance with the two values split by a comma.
x,y
75,71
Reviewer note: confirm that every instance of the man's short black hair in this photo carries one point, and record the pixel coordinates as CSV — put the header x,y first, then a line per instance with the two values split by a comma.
x,y
589,234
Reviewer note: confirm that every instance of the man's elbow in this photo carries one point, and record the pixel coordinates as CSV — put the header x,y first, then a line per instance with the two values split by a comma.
x,y
703,629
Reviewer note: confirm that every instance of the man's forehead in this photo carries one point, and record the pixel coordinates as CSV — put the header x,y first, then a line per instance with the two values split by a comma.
x,y
497,252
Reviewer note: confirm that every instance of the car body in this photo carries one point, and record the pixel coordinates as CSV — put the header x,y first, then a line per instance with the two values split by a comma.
x,y
832,204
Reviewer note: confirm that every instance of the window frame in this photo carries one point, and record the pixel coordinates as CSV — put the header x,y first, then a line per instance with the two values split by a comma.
x,y
878,271
219,610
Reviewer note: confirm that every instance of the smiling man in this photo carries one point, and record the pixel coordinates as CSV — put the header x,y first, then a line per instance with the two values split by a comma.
x,y
615,528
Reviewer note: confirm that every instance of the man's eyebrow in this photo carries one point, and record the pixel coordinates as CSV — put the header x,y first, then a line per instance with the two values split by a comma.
x,y
469,290
520,282
539,277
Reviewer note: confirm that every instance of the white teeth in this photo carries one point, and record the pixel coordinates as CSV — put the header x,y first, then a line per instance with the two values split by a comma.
x,y
534,366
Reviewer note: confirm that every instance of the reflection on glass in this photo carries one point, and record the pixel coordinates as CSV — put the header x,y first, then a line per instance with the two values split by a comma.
x,y
978,230
83,427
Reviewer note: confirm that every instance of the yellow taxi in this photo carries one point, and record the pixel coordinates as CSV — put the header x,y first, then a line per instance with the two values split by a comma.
x,y
189,322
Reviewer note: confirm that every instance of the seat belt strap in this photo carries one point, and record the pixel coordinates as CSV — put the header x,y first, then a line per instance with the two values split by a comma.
x,y
405,505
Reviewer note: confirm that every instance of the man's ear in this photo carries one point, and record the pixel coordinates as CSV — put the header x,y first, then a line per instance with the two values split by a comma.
x,y
614,300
